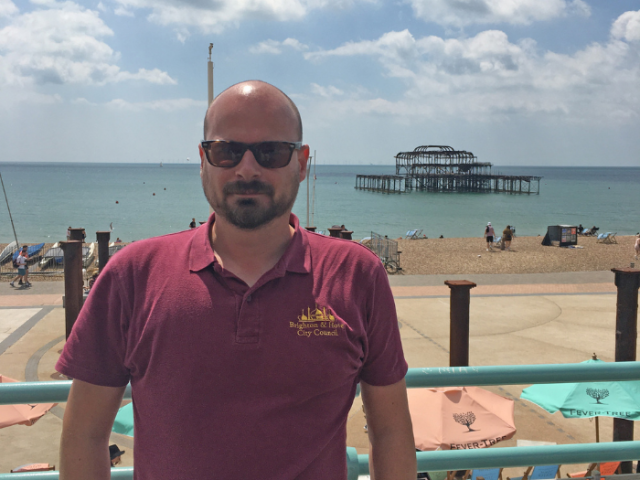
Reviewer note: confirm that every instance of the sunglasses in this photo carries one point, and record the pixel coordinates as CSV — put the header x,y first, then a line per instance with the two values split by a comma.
x,y
228,154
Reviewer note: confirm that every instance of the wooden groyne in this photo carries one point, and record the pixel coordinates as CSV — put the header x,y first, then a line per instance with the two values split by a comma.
x,y
436,168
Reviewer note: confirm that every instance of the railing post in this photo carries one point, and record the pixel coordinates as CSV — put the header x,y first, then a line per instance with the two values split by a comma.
x,y
72,282
459,326
76,234
628,281
103,248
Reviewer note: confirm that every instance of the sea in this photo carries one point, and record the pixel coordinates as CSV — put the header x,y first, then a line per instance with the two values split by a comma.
x,y
137,201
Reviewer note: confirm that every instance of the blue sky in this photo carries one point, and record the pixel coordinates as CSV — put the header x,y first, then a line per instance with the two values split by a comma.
x,y
516,82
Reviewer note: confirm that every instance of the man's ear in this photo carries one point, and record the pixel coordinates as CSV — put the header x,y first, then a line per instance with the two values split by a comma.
x,y
303,159
203,158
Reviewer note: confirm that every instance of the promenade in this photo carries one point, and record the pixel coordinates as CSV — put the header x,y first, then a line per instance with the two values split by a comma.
x,y
515,319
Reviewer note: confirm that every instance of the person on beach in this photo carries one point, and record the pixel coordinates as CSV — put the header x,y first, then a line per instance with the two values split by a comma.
x,y
507,236
636,247
193,223
489,233
21,262
255,341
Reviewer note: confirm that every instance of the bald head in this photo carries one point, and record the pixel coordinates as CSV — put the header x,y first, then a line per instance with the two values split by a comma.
x,y
273,102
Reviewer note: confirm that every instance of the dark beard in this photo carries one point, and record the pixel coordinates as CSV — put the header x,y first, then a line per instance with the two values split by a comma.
x,y
247,214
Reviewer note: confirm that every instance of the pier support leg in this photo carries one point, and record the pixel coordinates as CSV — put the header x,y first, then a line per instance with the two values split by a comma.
x,y
103,248
72,282
459,326
628,281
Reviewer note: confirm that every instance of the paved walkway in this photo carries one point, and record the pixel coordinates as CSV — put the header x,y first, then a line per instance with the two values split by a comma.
x,y
515,319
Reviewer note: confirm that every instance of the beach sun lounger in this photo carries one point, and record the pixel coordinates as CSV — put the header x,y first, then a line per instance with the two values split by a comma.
x,y
484,473
540,472
607,237
605,469
413,234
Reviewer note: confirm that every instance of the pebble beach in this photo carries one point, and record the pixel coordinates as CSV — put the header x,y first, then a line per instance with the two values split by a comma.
x,y
469,256
527,255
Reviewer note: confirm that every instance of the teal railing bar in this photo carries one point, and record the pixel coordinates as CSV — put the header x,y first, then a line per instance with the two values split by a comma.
x,y
454,459
523,374
43,392
39,392
125,473
518,456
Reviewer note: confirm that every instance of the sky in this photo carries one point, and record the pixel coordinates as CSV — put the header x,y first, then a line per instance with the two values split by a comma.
x,y
515,82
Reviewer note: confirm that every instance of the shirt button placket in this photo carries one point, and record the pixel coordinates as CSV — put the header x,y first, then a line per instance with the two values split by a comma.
x,y
248,321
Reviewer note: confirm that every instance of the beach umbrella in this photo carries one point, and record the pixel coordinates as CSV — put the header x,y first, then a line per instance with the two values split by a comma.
x,y
588,400
21,414
459,418
123,422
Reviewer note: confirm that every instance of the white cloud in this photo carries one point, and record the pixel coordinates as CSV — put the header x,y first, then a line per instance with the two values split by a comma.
x,y
62,44
487,76
82,101
157,105
123,12
275,47
7,8
327,92
627,26
214,16
102,7
458,13
10,97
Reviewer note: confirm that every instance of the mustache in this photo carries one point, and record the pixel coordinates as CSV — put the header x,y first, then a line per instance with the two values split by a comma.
x,y
252,187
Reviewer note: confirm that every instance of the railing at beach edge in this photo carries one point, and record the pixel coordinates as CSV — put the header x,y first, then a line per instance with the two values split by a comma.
x,y
358,464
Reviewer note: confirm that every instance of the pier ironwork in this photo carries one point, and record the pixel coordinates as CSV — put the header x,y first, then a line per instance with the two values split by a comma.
x,y
440,168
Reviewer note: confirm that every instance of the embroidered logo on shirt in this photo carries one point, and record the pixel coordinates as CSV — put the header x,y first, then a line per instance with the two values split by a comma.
x,y
319,322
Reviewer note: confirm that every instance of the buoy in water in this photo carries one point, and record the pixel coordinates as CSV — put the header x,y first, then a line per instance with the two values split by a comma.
x,y
154,194
117,201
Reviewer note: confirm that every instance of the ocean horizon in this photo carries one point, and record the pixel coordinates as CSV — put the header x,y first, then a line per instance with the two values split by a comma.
x,y
46,198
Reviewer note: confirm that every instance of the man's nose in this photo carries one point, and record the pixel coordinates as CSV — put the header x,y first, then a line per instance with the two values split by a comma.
x,y
248,166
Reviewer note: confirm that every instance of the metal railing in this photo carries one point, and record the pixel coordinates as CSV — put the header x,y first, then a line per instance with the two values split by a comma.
x,y
41,392
387,250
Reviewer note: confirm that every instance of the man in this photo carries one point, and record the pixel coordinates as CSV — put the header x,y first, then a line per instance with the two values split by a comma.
x,y
243,339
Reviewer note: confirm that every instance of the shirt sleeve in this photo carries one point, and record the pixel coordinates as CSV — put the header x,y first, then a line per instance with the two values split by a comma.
x,y
384,363
95,351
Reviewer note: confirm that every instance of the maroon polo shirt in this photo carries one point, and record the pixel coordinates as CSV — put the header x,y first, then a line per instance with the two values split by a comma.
x,y
232,382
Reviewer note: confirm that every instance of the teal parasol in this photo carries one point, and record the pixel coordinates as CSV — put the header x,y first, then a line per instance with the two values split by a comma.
x,y
588,400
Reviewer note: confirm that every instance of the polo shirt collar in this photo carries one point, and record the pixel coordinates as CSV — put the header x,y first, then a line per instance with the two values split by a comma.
x,y
297,257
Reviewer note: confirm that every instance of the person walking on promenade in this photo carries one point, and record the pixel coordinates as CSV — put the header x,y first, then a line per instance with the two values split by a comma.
x,y
21,262
507,236
257,339
489,233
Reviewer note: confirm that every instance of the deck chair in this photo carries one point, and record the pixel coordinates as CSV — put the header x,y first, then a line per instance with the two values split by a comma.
x,y
606,237
540,472
485,473
606,468
497,241
34,467
412,234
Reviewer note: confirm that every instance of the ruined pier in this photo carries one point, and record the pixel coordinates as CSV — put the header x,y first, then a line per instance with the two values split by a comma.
x,y
439,168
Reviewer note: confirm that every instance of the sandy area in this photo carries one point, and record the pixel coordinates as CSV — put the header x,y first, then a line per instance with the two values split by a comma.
x,y
469,255
527,255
